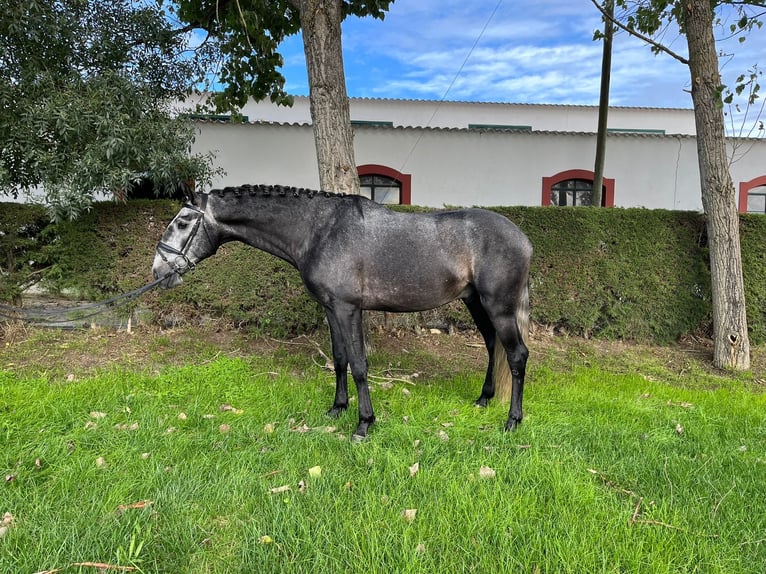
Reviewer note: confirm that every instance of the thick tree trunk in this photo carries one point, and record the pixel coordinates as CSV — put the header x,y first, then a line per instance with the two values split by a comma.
x,y
334,138
731,341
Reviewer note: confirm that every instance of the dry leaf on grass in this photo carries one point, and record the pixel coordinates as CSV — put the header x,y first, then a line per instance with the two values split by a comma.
x,y
315,471
230,409
414,469
487,472
280,489
408,514
134,505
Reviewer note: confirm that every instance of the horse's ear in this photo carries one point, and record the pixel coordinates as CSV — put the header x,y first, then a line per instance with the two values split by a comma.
x,y
187,188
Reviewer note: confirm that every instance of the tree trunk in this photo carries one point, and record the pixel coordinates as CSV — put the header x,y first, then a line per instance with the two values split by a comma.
x,y
731,341
333,136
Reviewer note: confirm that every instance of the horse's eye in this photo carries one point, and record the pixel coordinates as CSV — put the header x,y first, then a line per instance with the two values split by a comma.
x,y
182,225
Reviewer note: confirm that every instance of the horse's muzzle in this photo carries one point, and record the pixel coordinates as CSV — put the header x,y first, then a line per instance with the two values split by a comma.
x,y
160,269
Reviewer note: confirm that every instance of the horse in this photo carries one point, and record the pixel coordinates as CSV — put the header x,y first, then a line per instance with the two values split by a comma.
x,y
354,255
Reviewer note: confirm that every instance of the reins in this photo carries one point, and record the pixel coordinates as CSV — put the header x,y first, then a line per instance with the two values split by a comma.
x,y
55,316
51,317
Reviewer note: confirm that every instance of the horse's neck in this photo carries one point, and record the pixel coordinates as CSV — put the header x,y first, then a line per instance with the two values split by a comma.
x,y
282,226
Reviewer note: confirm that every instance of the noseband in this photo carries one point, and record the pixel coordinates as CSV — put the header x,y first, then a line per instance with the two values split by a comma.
x,y
180,254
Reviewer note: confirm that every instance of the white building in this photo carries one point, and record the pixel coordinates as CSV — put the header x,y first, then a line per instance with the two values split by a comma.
x,y
459,153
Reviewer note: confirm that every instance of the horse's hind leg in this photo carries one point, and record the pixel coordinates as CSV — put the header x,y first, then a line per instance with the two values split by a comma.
x,y
340,363
487,331
510,336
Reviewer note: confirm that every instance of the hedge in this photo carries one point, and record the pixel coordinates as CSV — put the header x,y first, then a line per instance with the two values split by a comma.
x,y
633,274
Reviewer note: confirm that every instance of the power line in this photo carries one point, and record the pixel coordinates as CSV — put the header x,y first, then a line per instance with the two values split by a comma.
x,y
452,83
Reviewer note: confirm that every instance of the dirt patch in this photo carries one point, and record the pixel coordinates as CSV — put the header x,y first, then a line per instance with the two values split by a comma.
x,y
56,352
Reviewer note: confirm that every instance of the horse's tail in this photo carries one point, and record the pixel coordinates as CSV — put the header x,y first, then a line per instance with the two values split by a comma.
x,y
501,372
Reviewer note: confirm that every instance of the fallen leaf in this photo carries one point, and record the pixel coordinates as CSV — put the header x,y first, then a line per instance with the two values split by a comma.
x,y
443,435
268,428
487,472
3,531
329,429
414,469
100,462
70,378
90,425
406,392
145,455
7,519
302,486
420,548
97,415
279,489
408,514
134,505
170,430
315,471
265,539
182,416
448,425
228,408
679,428
224,428
682,404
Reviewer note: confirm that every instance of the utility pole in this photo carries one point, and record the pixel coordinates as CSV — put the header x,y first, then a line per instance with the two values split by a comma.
x,y
603,106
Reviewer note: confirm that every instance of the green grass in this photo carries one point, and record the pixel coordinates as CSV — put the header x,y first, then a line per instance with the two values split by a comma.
x,y
599,478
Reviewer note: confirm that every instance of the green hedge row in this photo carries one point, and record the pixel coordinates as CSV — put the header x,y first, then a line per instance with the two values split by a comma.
x,y
633,274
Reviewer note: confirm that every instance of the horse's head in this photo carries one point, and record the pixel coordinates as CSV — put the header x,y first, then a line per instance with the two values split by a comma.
x,y
185,243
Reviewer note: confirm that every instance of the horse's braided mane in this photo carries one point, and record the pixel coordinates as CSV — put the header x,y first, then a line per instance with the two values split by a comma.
x,y
276,190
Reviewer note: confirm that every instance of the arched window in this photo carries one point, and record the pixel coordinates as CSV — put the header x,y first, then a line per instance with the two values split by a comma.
x,y
575,187
752,195
385,185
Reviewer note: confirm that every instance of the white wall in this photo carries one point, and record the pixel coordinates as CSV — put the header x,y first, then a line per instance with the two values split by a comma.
x,y
469,167
429,113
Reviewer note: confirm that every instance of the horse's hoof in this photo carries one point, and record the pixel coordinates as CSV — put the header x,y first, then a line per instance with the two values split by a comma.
x,y
481,402
511,425
335,412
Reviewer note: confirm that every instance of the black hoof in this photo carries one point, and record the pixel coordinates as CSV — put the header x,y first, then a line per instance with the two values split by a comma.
x,y
511,425
361,430
481,402
335,412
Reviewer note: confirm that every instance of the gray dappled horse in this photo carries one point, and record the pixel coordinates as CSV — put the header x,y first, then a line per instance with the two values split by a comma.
x,y
354,254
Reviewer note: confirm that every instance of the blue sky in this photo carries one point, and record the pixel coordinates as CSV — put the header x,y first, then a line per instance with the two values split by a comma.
x,y
521,51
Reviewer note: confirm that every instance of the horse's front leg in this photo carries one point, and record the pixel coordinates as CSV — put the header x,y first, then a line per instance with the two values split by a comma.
x,y
348,320
340,364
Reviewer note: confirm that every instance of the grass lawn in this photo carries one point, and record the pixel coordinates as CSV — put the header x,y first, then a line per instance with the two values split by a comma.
x,y
176,457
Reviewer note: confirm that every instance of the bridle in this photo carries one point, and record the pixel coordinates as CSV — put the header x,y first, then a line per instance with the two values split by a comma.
x,y
163,249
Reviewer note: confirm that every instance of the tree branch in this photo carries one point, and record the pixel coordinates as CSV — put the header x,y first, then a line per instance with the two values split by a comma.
x,y
639,35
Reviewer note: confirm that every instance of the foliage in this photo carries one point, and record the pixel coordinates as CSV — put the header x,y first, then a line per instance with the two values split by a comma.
x,y
619,273
753,233
83,92
247,34
633,274
20,234
212,467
